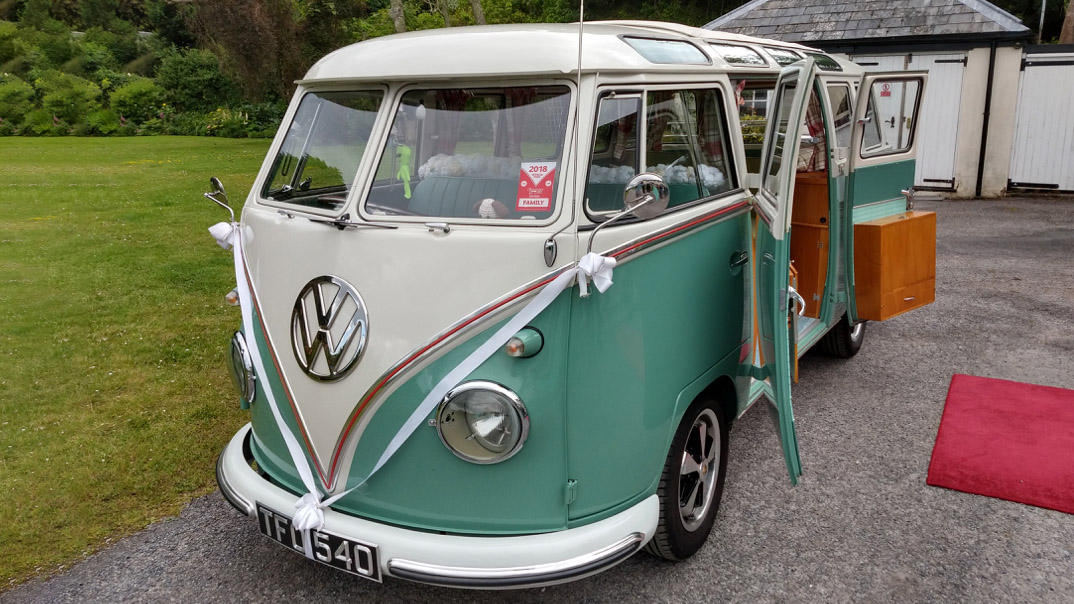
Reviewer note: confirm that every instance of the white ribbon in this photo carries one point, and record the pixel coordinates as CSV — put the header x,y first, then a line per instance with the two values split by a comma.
x,y
309,514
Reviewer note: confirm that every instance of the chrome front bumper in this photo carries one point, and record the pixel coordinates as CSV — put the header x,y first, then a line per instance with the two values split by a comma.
x,y
455,560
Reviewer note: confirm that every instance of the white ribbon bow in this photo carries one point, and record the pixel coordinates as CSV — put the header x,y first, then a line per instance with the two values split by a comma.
x,y
225,234
595,267
309,509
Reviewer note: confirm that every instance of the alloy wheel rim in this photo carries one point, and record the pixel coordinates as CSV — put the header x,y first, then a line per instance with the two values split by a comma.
x,y
855,332
699,470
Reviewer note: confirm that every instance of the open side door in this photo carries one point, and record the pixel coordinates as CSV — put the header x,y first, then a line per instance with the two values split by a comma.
x,y
883,146
772,290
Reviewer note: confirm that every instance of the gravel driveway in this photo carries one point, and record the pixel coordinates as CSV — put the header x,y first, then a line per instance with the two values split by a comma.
x,y
862,526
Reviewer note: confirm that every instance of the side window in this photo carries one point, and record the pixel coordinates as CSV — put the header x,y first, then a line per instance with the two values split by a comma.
x,y
842,113
615,153
777,148
891,113
685,142
813,152
753,98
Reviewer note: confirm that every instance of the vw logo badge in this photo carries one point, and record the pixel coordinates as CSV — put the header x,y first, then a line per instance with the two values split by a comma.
x,y
328,328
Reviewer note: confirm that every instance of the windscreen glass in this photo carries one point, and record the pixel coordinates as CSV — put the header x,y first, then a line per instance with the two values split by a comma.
x,y
324,145
473,153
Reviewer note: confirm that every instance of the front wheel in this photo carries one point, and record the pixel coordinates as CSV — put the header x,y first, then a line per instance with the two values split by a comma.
x,y
692,482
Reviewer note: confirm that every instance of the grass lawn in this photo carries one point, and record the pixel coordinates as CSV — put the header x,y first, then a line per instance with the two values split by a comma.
x,y
114,396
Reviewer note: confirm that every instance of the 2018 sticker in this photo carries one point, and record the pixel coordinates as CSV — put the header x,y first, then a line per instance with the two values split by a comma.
x,y
535,185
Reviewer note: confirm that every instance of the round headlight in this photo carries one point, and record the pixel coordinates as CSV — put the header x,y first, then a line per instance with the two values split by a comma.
x,y
482,422
242,368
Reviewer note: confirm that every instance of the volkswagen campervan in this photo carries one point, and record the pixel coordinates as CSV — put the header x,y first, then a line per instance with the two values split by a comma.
x,y
504,289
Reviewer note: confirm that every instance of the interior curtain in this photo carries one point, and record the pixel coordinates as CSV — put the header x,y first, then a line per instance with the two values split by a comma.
x,y
450,103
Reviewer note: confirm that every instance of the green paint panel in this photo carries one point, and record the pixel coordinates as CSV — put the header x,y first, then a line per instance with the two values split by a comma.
x,y
881,182
671,316
880,210
424,485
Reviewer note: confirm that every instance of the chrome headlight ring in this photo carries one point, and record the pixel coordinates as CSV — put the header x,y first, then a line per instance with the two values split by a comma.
x,y
241,366
482,422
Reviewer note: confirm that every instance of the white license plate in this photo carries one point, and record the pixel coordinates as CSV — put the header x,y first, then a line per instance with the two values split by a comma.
x,y
348,555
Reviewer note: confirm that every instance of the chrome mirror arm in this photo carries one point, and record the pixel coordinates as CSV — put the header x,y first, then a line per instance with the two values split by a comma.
x,y
589,248
211,197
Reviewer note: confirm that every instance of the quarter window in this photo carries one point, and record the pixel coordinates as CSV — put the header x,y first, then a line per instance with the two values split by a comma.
x,y
893,105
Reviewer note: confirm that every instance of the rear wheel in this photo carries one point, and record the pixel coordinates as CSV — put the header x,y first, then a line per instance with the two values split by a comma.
x,y
692,482
844,340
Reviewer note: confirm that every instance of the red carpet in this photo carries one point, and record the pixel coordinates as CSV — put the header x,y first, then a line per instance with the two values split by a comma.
x,y
1007,440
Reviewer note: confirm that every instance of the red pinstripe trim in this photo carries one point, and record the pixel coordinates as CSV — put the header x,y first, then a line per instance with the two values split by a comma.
x,y
283,381
342,439
372,393
681,228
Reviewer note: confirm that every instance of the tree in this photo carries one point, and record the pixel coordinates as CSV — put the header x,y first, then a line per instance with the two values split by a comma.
x,y
1066,36
445,11
398,18
98,13
479,13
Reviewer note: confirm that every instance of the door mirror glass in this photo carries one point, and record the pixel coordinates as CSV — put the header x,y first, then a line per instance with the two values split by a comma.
x,y
646,196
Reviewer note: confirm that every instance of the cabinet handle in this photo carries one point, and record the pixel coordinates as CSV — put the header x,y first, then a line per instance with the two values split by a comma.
x,y
910,298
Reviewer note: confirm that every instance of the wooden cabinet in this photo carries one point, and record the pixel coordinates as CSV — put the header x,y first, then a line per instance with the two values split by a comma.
x,y
809,237
894,264
809,255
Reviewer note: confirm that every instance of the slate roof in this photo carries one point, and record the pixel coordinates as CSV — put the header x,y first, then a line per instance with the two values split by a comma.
x,y
832,20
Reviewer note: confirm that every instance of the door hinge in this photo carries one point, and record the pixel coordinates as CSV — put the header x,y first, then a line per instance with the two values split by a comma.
x,y
572,491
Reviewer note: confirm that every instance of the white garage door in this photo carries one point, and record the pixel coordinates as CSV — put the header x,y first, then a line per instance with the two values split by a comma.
x,y
1043,154
938,127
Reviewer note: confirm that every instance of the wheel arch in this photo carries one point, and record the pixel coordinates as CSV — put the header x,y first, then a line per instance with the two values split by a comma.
x,y
716,383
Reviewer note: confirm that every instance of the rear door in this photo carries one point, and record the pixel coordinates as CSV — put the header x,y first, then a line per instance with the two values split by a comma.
x,y
883,145
772,251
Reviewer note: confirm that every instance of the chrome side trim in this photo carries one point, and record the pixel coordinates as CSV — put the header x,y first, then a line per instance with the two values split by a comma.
x,y
520,576
232,496
625,251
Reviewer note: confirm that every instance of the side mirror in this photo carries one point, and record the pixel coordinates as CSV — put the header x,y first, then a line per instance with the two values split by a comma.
x,y
218,192
218,187
646,195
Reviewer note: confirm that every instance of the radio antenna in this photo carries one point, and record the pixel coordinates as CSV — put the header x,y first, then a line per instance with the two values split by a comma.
x,y
550,243
578,104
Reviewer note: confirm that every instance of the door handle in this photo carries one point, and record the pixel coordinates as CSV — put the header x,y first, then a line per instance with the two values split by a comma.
x,y
891,122
793,295
738,260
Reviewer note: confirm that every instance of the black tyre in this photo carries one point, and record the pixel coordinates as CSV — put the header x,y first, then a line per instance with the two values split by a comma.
x,y
692,482
844,340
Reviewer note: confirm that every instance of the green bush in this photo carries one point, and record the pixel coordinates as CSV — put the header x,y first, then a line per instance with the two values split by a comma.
x,y
103,122
138,100
124,47
194,81
16,99
97,57
226,123
67,97
41,122
8,34
189,124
